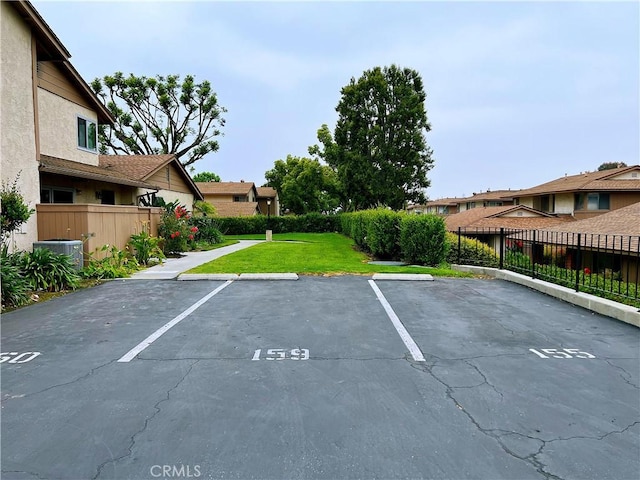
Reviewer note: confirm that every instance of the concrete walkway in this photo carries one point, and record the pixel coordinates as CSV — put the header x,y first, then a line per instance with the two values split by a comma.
x,y
172,267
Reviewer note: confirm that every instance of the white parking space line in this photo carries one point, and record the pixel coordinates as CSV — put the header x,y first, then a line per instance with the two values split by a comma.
x,y
131,354
404,335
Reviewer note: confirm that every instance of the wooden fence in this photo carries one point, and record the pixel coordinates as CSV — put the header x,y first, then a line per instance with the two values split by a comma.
x,y
95,225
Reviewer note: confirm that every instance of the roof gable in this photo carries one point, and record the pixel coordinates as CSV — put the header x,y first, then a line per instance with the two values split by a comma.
x,y
143,167
615,179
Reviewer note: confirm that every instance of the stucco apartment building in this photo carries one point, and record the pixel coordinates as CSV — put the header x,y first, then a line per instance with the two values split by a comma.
x,y
50,119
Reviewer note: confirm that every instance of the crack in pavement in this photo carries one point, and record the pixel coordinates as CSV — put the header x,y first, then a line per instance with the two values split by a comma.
x,y
82,377
146,423
622,375
477,369
491,433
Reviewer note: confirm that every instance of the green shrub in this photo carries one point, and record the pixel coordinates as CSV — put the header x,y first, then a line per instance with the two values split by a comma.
x,y
115,264
15,287
257,224
517,261
472,252
382,233
207,231
145,246
13,209
423,239
47,270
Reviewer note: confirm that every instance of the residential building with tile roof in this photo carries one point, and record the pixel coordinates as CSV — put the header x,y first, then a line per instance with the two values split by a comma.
x,y
585,195
231,199
268,201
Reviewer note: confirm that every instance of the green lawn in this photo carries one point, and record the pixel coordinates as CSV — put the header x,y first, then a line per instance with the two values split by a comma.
x,y
306,254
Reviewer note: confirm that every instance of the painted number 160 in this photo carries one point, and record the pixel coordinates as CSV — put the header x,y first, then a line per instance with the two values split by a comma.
x,y
282,354
564,353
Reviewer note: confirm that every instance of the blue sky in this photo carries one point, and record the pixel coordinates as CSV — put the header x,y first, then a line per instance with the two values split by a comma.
x,y
518,93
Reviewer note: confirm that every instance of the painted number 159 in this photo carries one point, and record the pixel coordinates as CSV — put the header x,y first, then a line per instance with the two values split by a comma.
x,y
282,354
561,353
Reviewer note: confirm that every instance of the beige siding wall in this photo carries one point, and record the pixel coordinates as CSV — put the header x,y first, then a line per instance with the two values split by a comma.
x,y
169,178
18,140
51,79
169,196
217,198
96,225
59,128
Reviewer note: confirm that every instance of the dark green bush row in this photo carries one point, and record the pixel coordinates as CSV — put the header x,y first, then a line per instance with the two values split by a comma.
x,y
309,223
419,239
472,252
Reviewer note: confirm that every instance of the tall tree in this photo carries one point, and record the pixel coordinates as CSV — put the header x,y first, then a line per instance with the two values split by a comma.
x,y
611,166
205,177
379,149
160,115
304,185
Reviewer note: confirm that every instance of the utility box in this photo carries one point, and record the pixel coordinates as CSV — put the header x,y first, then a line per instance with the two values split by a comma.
x,y
73,248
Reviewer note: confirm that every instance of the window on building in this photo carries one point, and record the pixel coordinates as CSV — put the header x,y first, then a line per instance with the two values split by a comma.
x,y
598,201
240,198
56,195
87,134
578,201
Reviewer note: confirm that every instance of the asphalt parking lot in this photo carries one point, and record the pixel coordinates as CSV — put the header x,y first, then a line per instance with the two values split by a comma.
x,y
312,379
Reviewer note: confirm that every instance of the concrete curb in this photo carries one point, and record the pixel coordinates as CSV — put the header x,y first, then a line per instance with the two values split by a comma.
x,y
207,276
619,311
268,276
403,276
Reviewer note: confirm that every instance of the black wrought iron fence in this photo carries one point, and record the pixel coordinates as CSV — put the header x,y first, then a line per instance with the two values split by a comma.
x,y
603,265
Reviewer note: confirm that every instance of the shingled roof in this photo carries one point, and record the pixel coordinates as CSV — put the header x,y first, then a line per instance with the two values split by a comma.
x,y
142,167
590,181
101,173
225,188
267,192
492,218
619,229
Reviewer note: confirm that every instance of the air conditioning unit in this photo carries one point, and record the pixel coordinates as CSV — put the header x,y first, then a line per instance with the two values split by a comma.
x,y
73,248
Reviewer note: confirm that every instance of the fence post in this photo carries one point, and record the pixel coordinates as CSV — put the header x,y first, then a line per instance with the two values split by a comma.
x,y
578,263
501,265
533,256
459,243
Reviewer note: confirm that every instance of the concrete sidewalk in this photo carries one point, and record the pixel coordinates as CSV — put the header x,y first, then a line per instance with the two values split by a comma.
x,y
172,267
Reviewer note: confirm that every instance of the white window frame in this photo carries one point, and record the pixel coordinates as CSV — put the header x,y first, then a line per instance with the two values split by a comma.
x,y
88,122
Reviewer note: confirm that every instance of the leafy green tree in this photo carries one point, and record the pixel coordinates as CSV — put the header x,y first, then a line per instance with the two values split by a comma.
x,y
159,115
15,210
379,149
304,185
205,177
611,166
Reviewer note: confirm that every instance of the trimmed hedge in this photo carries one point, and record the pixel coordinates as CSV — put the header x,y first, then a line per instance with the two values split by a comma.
x,y
418,239
423,239
257,224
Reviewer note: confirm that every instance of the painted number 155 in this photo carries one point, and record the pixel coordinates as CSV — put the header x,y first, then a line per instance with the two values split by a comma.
x,y
563,353
282,354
